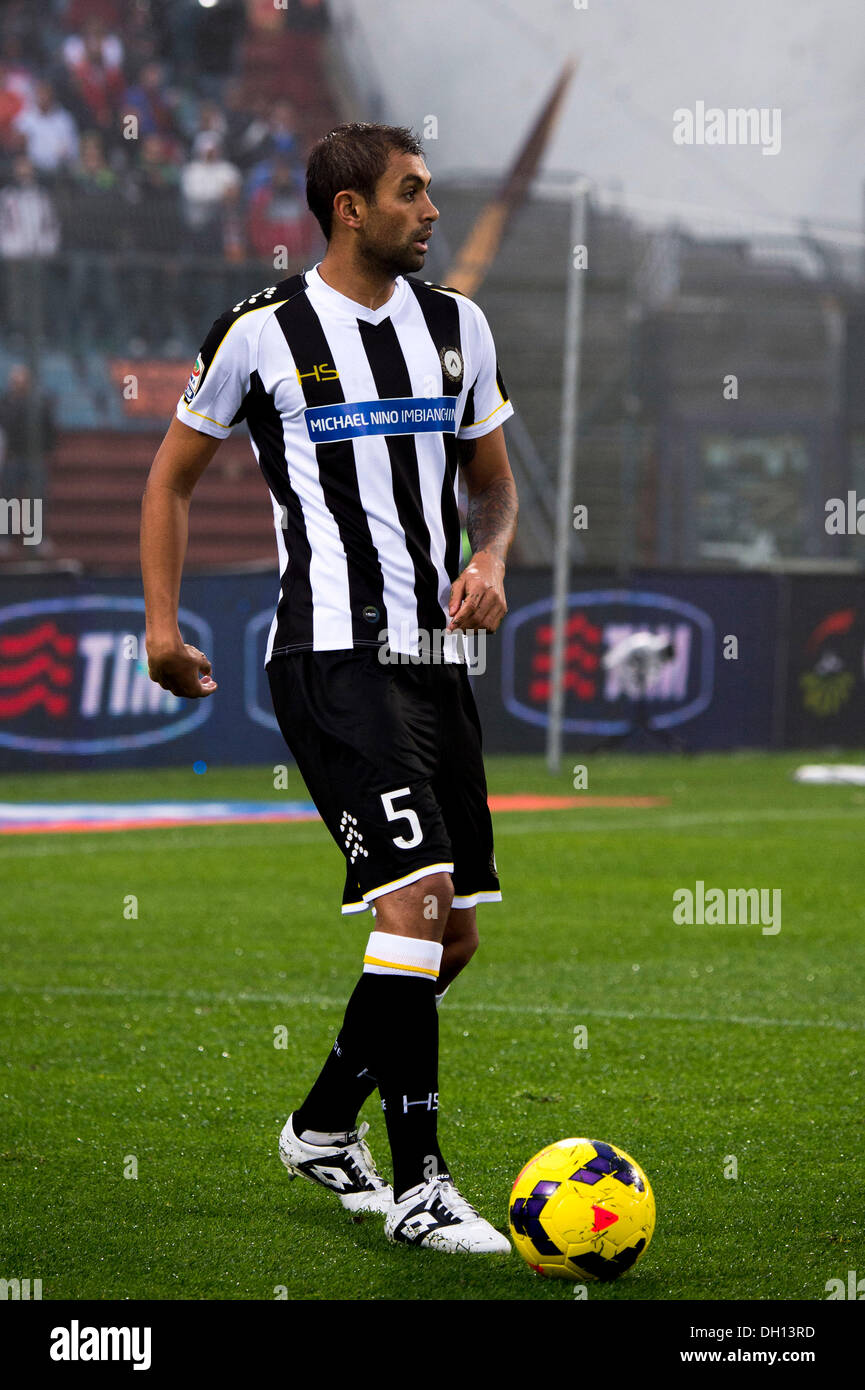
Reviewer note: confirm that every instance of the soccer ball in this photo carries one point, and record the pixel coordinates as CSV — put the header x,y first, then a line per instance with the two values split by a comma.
x,y
582,1209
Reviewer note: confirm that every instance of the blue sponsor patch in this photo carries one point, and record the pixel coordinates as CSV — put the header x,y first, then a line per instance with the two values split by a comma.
x,y
401,415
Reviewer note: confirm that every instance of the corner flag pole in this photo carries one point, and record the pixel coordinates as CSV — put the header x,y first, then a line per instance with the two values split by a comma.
x,y
480,247
567,462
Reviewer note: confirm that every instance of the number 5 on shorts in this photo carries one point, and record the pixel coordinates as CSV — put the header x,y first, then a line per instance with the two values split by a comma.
x,y
408,814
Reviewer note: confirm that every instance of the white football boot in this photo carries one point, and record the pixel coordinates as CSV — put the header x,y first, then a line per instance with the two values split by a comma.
x,y
436,1216
346,1169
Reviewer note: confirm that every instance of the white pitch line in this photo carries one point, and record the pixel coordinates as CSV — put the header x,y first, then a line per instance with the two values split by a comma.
x,y
505,824
324,1001
658,820
99,842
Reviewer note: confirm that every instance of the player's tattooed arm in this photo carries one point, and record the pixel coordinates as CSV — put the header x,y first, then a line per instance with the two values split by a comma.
x,y
492,517
478,595
492,507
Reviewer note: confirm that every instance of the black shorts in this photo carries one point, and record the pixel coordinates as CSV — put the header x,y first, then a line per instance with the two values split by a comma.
x,y
391,755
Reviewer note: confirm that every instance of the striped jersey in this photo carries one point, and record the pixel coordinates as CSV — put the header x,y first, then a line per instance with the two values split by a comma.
x,y
354,414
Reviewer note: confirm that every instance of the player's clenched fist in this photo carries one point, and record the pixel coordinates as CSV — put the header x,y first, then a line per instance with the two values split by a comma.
x,y
478,595
183,670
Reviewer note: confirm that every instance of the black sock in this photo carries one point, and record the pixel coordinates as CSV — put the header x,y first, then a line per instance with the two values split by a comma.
x,y
406,1064
389,1039
344,1082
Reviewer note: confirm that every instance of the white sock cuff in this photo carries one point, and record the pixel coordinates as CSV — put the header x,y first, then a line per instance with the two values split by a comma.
x,y
387,954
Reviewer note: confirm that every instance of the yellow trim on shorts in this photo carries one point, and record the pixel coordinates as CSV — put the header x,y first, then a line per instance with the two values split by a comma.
x,y
411,877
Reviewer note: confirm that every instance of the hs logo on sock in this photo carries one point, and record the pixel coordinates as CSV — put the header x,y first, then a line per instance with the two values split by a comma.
x,y
430,1102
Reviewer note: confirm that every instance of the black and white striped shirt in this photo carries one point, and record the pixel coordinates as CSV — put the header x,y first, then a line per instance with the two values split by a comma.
x,y
354,415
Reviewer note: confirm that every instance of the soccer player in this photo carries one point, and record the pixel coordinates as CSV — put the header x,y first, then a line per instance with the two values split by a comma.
x,y
365,390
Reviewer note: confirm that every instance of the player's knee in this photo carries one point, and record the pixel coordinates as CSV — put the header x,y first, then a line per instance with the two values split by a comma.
x,y
432,897
419,909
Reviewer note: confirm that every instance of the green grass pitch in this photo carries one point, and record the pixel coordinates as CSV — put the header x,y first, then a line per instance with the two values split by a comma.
x,y
152,1039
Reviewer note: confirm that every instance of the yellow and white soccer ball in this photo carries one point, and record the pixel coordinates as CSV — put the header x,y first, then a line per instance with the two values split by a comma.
x,y
582,1209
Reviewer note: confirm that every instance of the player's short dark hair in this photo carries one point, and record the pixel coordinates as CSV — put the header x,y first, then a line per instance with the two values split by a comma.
x,y
353,155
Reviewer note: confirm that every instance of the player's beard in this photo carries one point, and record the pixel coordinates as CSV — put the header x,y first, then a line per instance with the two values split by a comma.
x,y
393,259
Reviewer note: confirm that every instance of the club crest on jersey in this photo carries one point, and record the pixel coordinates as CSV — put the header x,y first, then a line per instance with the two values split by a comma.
x,y
194,381
452,363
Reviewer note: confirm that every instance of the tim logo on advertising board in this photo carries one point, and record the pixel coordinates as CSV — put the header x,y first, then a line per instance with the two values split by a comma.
x,y
73,677
601,699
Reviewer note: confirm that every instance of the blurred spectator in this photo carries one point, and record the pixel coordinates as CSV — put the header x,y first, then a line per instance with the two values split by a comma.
x,y
147,99
210,118
177,24
278,140
95,71
92,174
95,44
12,103
50,132
157,166
28,220
158,163
17,84
93,218
153,199
29,232
185,105
142,40
244,130
277,212
28,433
155,231
204,182
248,129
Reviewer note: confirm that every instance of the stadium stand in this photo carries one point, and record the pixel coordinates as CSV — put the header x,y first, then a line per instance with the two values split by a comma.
x,y
151,160
151,171
95,510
